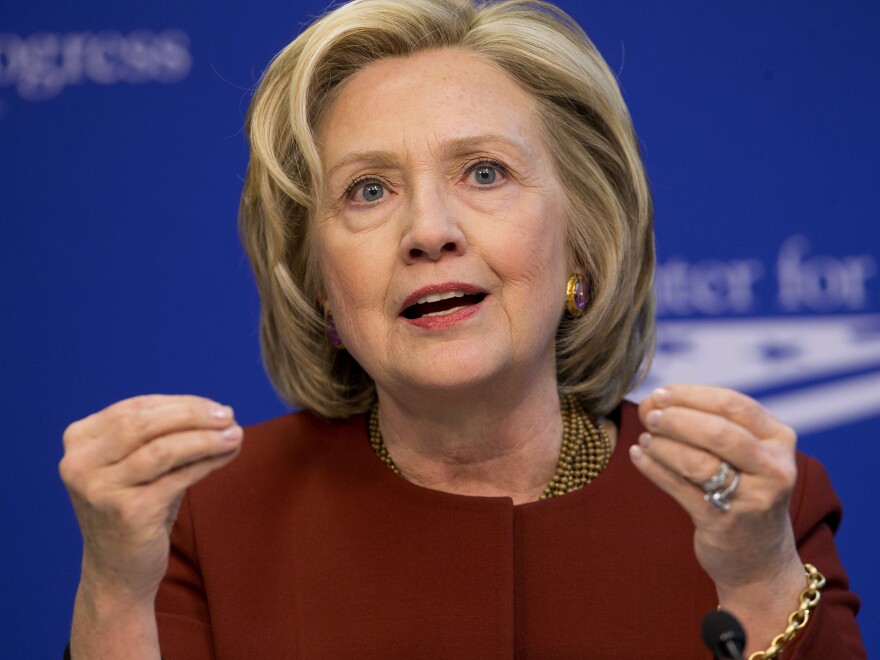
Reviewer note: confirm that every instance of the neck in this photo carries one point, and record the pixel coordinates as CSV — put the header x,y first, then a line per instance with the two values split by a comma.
x,y
505,445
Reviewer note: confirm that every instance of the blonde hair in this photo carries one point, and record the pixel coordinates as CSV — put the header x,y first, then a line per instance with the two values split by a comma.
x,y
601,353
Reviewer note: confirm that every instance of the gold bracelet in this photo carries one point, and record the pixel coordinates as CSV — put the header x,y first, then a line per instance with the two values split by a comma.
x,y
797,619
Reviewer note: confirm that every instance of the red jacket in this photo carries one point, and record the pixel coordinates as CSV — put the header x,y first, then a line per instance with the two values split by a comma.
x,y
308,546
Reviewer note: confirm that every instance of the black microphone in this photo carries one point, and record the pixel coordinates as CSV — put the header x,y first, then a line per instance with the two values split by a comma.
x,y
724,635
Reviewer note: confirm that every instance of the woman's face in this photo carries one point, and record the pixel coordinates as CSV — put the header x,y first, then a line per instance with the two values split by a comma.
x,y
442,238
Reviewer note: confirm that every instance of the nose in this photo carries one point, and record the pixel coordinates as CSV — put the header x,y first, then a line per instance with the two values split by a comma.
x,y
431,229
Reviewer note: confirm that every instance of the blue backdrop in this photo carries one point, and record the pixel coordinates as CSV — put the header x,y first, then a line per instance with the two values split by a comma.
x,y
121,157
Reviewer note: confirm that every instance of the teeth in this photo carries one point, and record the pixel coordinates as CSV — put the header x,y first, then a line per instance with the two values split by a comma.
x,y
436,297
448,311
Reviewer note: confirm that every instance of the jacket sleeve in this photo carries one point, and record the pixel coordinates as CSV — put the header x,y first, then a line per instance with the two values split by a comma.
x,y
182,612
832,631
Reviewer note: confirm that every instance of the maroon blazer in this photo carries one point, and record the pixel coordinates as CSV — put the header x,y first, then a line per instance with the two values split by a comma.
x,y
308,546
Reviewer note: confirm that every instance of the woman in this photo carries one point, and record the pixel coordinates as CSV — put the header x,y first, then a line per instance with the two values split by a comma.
x,y
450,228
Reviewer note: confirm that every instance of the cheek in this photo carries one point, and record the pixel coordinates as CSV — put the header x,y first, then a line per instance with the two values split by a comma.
x,y
531,262
354,272
533,251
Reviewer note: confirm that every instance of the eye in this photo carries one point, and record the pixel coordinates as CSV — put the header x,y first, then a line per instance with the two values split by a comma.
x,y
372,191
485,173
365,191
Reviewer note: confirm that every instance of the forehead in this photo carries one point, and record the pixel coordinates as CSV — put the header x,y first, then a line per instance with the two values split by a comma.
x,y
434,96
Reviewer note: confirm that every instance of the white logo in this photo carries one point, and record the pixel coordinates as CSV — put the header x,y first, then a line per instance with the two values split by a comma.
x,y
804,282
814,372
41,65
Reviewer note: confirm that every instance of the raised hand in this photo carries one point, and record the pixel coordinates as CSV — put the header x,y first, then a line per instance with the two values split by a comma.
x,y
127,468
744,541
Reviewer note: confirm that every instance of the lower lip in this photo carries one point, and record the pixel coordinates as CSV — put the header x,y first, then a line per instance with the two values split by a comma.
x,y
445,320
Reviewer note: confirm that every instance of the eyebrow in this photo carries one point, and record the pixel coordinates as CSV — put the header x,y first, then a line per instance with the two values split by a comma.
x,y
381,158
452,147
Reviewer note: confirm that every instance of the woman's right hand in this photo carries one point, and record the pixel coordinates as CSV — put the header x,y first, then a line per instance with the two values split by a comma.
x,y
127,468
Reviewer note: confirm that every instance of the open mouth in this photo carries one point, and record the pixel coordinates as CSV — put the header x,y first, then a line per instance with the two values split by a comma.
x,y
437,304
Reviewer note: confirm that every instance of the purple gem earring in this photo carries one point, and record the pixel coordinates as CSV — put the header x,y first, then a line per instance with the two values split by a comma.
x,y
330,329
576,295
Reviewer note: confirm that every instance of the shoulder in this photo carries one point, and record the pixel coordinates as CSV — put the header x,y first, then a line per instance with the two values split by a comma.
x,y
283,451
626,416
297,432
813,500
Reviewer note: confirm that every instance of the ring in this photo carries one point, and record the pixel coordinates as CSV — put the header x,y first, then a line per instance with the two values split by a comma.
x,y
719,498
718,479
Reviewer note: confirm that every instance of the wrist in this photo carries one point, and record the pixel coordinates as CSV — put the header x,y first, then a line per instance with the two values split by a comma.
x,y
779,586
123,589
763,607
107,624
105,599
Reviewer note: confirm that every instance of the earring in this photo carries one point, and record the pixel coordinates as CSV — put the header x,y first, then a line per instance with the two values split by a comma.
x,y
576,295
330,329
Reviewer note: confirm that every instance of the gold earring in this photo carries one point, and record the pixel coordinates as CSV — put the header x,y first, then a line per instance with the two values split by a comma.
x,y
576,295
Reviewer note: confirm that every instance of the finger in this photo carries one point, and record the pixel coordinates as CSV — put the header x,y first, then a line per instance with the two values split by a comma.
x,y
712,433
173,451
727,403
690,463
113,433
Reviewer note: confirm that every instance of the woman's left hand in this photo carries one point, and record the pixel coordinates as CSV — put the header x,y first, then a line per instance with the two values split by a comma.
x,y
691,430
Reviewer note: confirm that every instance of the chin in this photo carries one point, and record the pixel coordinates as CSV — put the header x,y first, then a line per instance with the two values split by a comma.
x,y
459,369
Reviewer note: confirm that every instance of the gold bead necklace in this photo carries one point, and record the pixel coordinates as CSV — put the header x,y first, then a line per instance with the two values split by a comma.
x,y
585,451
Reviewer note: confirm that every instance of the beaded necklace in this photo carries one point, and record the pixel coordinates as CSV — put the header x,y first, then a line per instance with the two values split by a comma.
x,y
585,451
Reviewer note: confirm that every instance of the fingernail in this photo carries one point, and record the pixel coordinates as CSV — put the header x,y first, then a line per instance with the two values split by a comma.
x,y
645,439
221,412
635,452
232,434
653,419
660,395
